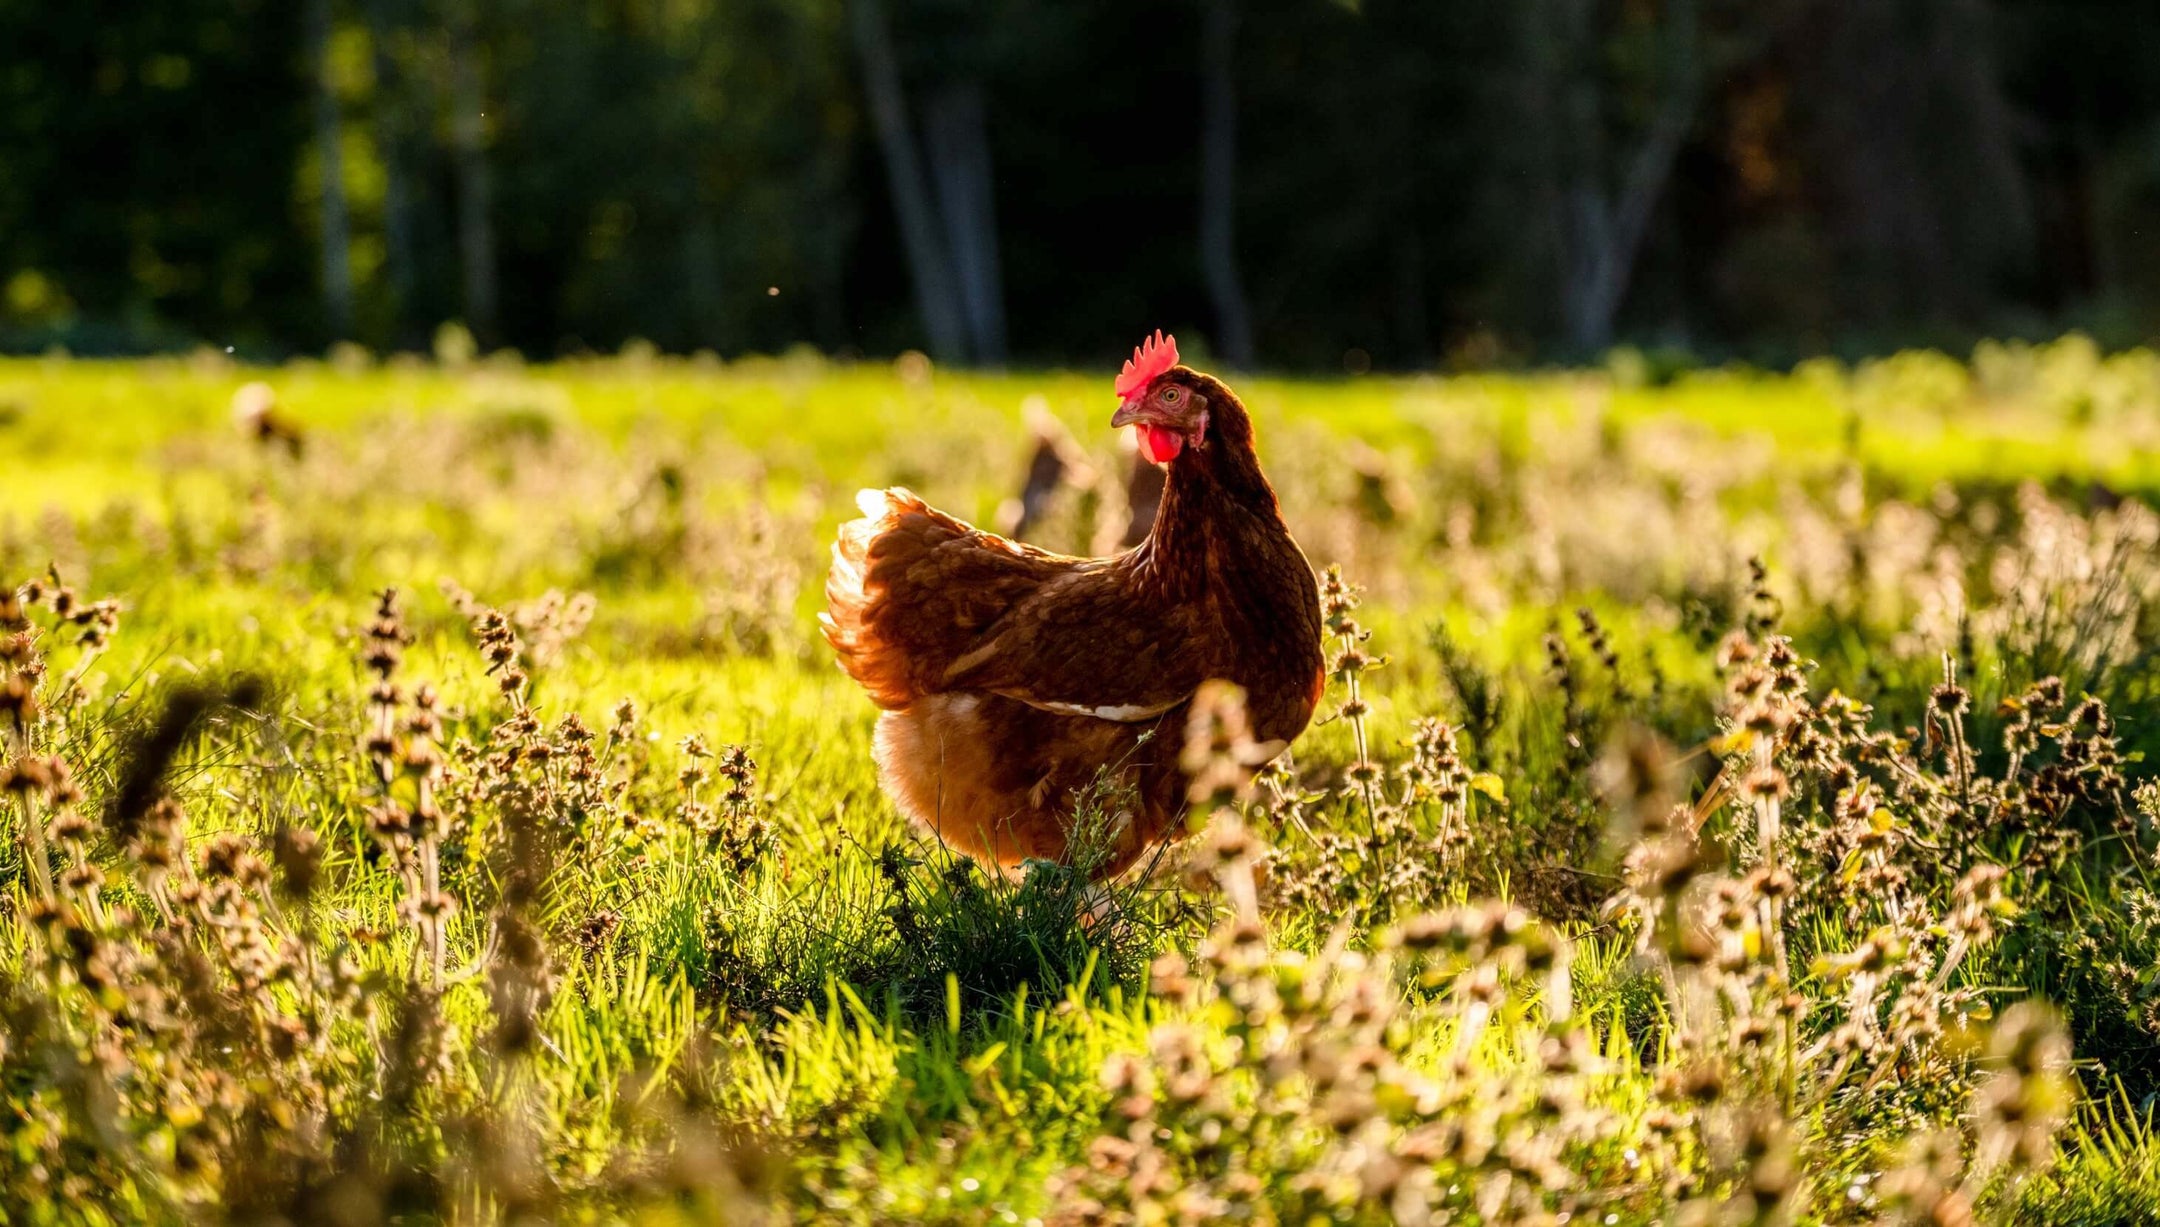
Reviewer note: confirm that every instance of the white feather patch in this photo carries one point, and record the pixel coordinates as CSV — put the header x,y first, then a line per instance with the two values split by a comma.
x,y
846,572
1122,713
874,503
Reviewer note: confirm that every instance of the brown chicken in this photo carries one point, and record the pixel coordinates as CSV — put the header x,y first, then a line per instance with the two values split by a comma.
x,y
1011,676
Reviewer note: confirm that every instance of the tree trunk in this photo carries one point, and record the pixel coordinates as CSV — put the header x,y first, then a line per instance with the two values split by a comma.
x,y
956,136
391,128
337,288
1601,228
937,299
1218,182
468,136
1612,233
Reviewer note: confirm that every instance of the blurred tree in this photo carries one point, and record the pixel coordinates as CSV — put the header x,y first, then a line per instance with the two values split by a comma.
x,y
945,198
2084,84
956,134
147,172
938,295
1919,152
1334,184
476,185
1369,219
1600,182
336,227
1218,181
387,26
677,172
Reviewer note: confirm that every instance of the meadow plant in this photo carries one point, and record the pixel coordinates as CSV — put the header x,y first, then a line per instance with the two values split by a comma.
x,y
1741,794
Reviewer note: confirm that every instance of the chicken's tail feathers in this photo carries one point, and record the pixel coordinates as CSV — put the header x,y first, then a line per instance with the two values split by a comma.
x,y
851,551
912,590
851,622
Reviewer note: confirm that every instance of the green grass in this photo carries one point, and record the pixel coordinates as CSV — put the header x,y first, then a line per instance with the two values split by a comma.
x,y
810,1011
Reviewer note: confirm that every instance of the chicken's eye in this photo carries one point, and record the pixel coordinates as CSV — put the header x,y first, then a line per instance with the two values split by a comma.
x,y
1170,396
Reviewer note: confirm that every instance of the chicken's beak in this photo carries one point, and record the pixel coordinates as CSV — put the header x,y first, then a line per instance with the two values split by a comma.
x,y
1127,414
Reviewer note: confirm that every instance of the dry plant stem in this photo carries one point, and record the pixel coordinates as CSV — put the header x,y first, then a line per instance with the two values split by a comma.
x,y
1768,823
1964,764
1279,794
431,883
1952,957
92,900
33,832
1338,600
34,846
419,862
386,729
1238,882
1354,707
1961,757
71,682
1368,781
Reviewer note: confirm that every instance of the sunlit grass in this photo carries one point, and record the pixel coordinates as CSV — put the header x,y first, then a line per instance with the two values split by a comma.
x,y
781,1009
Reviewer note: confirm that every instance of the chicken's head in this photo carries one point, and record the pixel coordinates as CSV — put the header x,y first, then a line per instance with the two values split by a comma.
x,y
1163,399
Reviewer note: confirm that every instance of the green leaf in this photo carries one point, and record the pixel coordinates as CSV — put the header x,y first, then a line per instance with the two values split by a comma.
x,y
1851,866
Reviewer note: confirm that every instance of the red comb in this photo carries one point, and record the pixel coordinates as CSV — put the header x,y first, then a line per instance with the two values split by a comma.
x,y
1150,359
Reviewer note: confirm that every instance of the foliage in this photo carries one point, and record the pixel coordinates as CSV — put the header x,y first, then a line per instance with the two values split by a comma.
x,y
1413,184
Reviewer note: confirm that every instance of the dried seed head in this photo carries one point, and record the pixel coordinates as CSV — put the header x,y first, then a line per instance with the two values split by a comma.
x,y
1428,931
1765,784
28,774
391,823
18,700
1170,976
2022,1105
1734,650
2046,694
1338,598
1773,882
1700,1081
299,854
1667,866
1219,755
227,856
69,829
386,637
157,843
1635,777
2030,1041
596,930
1230,844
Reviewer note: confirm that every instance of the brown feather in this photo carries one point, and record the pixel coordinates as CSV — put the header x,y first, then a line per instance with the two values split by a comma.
x,y
1010,675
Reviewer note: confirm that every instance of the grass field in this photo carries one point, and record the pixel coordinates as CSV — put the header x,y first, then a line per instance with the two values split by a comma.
x,y
1742,814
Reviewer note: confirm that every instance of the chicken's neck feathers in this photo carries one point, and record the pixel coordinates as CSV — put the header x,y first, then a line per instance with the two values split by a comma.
x,y
1222,545
1217,512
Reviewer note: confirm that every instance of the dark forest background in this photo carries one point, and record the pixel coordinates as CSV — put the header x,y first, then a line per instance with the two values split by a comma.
x,y
1304,184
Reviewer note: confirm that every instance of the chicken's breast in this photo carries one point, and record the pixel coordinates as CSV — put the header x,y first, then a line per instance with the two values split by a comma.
x,y
1004,781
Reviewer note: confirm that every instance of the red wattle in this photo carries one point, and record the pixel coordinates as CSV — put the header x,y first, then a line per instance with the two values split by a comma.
x,y
1159,445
